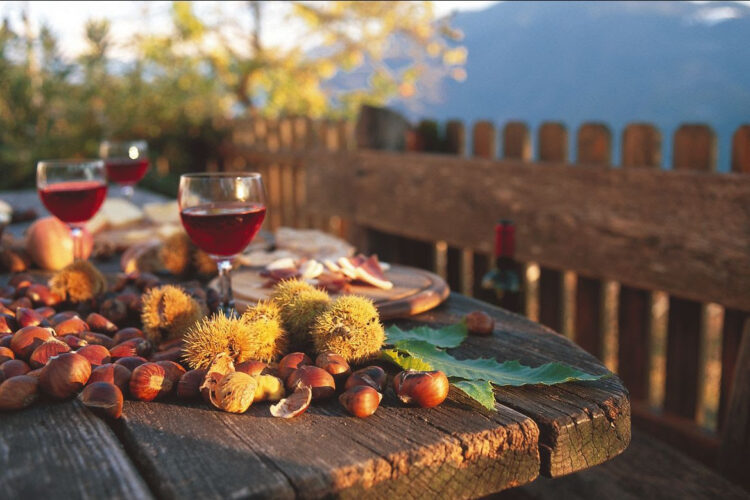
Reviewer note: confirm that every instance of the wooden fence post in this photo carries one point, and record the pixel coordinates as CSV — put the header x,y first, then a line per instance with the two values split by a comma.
x,y
457,261
641,147
694,149
484,145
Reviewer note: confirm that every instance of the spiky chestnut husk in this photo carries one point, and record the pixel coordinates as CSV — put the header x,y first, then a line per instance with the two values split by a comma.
x,y
351,328
168,312
203,263
218,334
78,282
268,338
265,309
176,253
299,306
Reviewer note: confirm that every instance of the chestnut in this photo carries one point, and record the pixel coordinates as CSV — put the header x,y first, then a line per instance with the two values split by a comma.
x,y
132,347
35,373
72,325
6,354
102,398
113,374
5,339
127,334
360,400
8,323
131,362
96,354
44,352
479,323
114,310
74,342
64,375
373,376
252,367
46,312
173,354
425,389
61,316
27,339
133,302
173,371
14,368
21,279
99,324
149,381
334,364
170,344
291,362
42,295
18,392
320,381
269,388
189,385
97,339
29,317
22,302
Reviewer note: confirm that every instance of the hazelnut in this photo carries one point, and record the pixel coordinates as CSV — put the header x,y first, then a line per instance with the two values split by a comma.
x,y
97,339
7,323
29,317
46,312
99,324
320,381
252,367
61,316
113,374
96,354
18,392
334,364
131,362
189,385
5,354
73,325
291,362
361,400
102,398
373,376
114,310
174,354
127,334
64,375
425,389
74,342
27,339
132,347
44,352
269,388
149,381
234,393
14,368
479,323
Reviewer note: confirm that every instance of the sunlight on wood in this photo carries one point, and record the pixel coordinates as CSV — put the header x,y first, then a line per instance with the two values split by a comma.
x,y
531,286
608,328
467,272
441,259
569,285
657,352
709,366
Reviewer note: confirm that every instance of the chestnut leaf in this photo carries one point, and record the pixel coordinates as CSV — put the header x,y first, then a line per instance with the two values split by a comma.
x,y
479,390
447,336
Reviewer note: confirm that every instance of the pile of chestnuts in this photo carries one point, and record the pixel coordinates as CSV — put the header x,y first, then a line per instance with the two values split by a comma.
x,y
74,353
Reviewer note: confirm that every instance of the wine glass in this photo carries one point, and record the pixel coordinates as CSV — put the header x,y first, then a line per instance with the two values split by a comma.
x,y
222,213
126,161
73,191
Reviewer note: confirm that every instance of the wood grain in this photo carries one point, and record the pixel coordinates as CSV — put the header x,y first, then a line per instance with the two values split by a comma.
x,y
62,451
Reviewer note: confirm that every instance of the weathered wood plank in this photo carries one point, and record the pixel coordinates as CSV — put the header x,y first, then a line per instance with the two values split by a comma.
x,y
484,145
581,424
62,451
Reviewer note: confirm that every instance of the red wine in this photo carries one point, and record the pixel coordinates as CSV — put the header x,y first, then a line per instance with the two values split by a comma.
x,y
74,201
223,228
125,170
505,278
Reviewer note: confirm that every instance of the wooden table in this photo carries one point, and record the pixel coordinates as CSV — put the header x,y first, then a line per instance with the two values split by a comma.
x,y
171,449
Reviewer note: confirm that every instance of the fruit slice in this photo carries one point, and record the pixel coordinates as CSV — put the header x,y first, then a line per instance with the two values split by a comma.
x,y
294,405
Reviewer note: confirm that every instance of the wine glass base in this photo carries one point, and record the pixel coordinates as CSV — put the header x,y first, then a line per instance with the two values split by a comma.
x,y
228,310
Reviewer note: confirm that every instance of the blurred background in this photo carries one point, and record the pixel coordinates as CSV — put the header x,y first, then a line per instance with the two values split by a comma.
x,y
175,73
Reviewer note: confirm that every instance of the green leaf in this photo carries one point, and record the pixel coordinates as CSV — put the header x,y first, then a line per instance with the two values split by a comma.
x,y
510,373
404,361
447,336
479,390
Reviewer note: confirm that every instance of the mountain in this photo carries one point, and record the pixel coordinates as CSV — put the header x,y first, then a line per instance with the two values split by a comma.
x,y
614,62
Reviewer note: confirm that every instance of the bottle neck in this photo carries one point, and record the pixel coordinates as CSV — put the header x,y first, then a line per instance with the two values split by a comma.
x,y
505,241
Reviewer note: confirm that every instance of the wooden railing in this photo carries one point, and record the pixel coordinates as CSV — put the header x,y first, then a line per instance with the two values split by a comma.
x,y
647,268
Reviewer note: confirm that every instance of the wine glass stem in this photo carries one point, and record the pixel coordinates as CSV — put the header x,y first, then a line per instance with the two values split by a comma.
x,y
76,234
127,191
226,298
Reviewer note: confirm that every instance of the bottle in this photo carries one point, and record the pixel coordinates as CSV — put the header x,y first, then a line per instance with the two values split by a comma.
x,y
505,277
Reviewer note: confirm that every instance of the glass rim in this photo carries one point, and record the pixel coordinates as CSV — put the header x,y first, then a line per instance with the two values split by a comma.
x,y
221,175
70,162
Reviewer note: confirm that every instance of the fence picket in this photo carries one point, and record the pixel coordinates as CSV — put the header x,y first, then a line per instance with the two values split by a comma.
x,y
460,262
484,145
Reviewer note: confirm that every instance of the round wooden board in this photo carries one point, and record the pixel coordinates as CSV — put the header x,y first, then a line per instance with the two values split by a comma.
x,y
414,291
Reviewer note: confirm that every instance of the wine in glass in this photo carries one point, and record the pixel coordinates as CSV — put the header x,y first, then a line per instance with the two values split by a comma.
x,y
222,213
126,161
73,191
